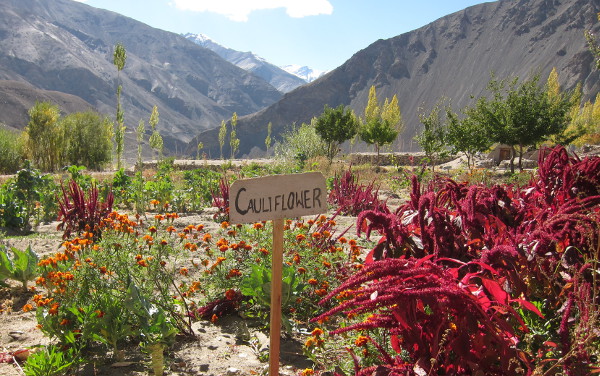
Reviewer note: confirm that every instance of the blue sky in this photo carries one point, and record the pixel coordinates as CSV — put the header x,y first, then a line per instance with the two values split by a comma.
x,y
321,34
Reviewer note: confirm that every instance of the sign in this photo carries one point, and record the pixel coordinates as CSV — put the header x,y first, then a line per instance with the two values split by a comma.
x,y
277,197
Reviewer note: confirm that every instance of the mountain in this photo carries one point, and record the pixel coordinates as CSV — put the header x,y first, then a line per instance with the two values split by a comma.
x,y
67,46
281,79
19,97
452,57
304,72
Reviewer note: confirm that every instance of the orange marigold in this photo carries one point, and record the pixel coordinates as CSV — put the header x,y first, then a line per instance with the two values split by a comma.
x,y
361,341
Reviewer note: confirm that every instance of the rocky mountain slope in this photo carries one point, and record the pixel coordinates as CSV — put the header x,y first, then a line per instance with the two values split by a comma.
x,y
18,97
279,78
67,46
451,57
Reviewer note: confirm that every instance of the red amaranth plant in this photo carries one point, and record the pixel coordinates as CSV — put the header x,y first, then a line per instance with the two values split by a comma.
x,y
78,212
448,325
532,241
220,200
351,197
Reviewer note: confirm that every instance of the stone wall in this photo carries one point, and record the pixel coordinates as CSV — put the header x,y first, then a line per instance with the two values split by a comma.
x,y
392,159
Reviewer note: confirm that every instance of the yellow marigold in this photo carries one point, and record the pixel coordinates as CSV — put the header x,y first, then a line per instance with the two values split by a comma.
x,y
307,372
183,271
224,224
317,332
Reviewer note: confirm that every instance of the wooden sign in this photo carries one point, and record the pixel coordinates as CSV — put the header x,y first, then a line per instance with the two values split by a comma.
x,y
276,197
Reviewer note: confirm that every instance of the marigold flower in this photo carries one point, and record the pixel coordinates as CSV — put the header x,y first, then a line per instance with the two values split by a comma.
x,y
65,322
361,341
138,257
310,342
343,240
326,264
214,318
321,292
154,202
54,309
258,226
317,332
183,271
206,238
301,270
103,270
230,294
223,248
142,263
27,307
232,233
313,282
316,235
199,227
264,251
352,242
99,313
234,273
224,224
307,372
296,258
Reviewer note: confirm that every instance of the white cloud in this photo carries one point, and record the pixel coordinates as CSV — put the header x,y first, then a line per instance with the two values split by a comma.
x,y
239,10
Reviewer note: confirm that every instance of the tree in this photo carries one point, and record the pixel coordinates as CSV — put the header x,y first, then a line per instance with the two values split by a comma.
x,y
11,151
466,136
139,133
87,139
222,135
300,143
43,136
199,147
381,125
234,142
268,138
433,137
156,140
522,115
334,126
119,58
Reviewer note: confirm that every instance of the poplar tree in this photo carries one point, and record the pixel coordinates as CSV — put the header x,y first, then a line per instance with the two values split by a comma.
x,y
119,58
268,138
139,132
234,142
156,140
381,124
222,135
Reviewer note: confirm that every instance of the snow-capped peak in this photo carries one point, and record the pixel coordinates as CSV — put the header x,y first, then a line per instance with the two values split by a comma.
x,y
198,38
306,73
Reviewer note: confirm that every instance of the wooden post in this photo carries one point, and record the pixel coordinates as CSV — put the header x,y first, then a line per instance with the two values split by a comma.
x,y
276,198
276,277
